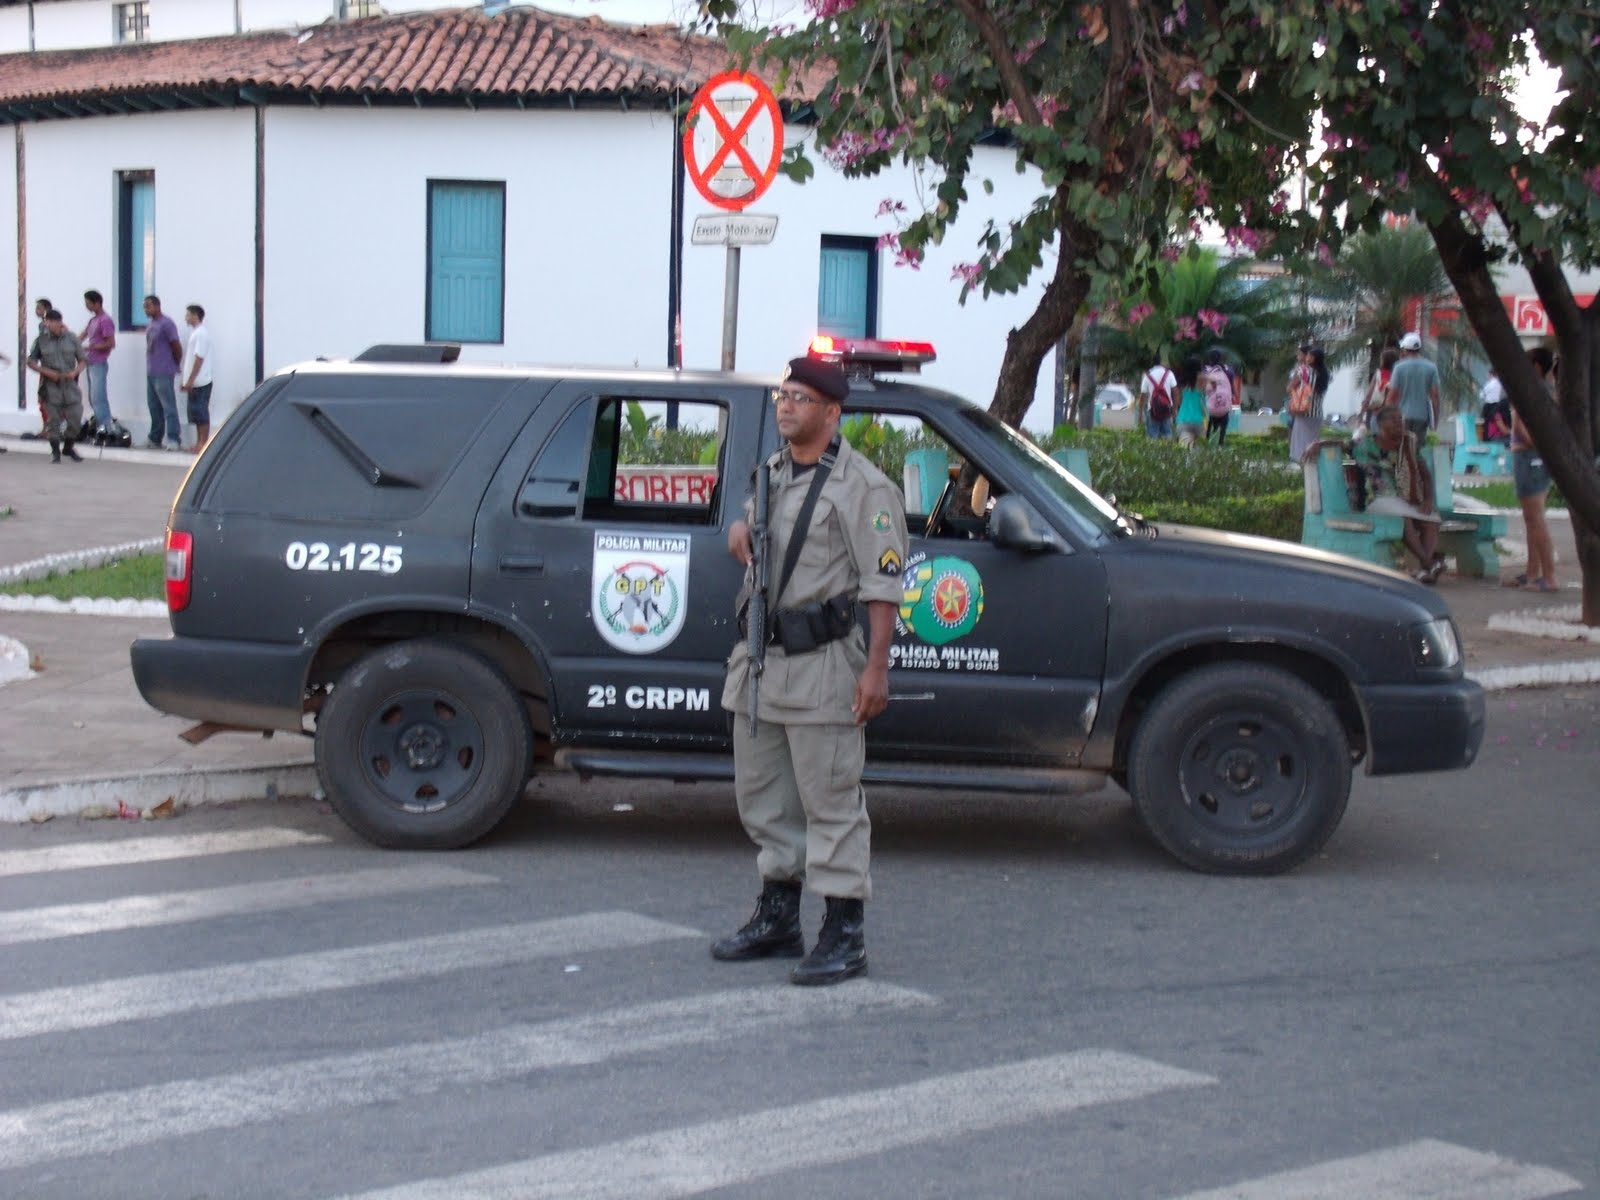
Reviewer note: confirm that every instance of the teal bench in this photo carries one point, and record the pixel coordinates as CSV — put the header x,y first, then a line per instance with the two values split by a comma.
x,y
1332,524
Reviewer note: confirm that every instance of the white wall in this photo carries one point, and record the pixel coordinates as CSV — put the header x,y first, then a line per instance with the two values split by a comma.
x,y
588,206
587,217
171,20
778,283
68,24
18,331
204,247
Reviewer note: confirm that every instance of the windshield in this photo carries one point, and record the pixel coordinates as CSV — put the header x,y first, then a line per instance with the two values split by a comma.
x,y
1089,514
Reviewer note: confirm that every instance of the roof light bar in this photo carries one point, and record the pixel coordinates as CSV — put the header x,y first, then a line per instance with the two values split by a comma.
x,y
871,356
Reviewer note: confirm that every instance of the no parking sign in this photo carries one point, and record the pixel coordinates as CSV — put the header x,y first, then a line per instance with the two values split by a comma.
x,y
733,140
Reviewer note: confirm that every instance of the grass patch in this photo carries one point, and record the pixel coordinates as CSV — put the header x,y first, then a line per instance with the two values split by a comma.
x,y
142,577
1503,494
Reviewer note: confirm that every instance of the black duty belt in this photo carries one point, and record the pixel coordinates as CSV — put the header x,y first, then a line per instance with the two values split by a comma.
x,y
811,626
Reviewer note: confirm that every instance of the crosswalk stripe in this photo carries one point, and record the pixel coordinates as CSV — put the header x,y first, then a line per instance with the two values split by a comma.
x,y
175,908
1420,1170
717,1154
128,851
100,1124
169,993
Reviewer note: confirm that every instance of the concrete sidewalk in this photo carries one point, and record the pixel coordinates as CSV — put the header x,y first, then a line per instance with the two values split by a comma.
x,y
76,735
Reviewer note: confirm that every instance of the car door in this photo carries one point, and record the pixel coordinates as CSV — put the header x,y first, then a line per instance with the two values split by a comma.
x,y
998,653
613,559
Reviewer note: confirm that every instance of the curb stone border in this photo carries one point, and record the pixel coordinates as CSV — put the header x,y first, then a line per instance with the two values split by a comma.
x,y
110,796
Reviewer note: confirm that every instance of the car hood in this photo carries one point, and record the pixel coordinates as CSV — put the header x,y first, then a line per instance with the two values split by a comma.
x,y
1288,565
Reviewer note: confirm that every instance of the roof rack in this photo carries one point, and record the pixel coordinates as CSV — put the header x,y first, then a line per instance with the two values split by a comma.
x,y
425,352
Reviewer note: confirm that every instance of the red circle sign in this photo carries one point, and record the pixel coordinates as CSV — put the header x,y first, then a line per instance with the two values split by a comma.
x,y
733,140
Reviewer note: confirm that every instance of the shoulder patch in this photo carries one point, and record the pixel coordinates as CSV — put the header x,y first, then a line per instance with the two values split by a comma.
x,y
889,563
881,521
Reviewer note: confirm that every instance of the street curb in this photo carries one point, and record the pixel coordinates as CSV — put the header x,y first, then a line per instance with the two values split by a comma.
x,y
1500,679
133,796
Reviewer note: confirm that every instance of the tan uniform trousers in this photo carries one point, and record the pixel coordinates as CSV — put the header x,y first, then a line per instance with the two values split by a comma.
x,y
801,801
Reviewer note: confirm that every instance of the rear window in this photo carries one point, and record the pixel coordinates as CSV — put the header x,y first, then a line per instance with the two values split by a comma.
x,y
354,446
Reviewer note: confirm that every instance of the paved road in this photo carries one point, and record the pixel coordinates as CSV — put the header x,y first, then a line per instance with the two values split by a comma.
x,y
248,1002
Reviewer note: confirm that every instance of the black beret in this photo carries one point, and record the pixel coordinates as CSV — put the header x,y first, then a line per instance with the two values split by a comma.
x,y
827,378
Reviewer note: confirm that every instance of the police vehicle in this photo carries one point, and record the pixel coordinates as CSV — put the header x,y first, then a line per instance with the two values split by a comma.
x,y
453,576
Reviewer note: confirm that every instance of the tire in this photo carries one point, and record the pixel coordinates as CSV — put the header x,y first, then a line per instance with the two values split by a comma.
x,y
1240,769
423,745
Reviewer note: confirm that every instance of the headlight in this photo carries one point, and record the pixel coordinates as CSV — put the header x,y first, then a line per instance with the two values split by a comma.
x,y
1434,646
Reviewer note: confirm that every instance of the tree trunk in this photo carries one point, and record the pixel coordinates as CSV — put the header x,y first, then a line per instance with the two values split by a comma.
x,y
1027,344
1562,426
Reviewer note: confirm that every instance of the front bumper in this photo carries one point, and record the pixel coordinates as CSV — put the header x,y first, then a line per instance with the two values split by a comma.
x,y
245,684
1422,727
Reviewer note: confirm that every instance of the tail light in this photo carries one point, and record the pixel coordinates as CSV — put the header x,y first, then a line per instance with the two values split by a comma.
x,y
180,569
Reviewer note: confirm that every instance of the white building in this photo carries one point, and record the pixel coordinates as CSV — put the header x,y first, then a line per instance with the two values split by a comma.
x,y
511,181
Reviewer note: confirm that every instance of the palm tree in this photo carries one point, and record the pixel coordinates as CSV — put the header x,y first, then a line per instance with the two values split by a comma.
x,y
1197,301
1388,282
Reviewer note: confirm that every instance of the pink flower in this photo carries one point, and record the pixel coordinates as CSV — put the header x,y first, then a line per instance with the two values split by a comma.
x,y
890,206
1202,193
1192,82
968,273
1213,320
1325,254
1139,313
1188,330
1189,139
1592,178
825,10
1170,253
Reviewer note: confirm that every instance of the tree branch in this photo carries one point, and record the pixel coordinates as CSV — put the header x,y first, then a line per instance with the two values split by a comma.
x,y
1005,58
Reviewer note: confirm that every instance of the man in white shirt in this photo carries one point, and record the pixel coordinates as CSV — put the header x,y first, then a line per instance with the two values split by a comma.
x,y
1158,401
196,374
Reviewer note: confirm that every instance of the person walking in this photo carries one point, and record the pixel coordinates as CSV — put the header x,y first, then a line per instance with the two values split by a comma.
x,y
1494,410
1531,479
1158,400
99,338
40,306
1376,398
57,357
196,374
1308,386
163,352
1414,386
1191,416
1221,388
837,525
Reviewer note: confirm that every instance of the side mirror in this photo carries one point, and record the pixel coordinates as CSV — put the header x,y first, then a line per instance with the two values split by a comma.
x,y
1016,525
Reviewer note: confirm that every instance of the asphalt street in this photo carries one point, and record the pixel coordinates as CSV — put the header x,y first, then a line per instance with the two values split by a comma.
x,y
247,1001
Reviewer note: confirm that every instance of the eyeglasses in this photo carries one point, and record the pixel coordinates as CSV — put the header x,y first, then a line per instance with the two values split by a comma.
x,y
792,396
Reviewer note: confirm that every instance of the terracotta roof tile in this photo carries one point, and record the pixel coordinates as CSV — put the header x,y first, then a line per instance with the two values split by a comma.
x,y
518,54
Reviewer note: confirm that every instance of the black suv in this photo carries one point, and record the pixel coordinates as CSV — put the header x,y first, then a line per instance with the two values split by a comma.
x,y
457,575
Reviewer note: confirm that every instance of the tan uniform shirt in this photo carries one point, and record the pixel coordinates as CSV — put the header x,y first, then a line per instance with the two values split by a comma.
x,y
857,545
58,352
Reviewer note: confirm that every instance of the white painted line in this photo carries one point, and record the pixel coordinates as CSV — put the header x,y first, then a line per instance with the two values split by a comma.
x,y
174,908
701,1158
85,606
1421,1170
78,856
77,560
173,992
102,1124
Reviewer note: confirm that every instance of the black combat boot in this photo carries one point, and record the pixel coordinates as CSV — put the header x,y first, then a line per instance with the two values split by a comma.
x,y
68,448
55,450
773,930
841,949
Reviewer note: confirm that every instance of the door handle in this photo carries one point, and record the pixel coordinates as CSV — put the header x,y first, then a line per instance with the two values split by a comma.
x,y
526,564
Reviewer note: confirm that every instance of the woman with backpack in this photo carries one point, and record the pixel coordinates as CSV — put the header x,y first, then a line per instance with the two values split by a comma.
x,y
1308,384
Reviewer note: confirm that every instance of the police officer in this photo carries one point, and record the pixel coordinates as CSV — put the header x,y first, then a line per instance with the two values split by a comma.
x,y
798,776
58,357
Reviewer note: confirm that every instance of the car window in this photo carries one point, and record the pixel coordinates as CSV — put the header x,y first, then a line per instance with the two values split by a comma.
x,y
630,459
1091,515
355,446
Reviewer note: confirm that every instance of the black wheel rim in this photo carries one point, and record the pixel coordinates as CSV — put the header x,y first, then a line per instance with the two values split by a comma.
x,y
422,750
1244,774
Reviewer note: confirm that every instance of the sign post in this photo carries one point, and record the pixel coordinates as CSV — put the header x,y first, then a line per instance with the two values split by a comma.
x,y
732,143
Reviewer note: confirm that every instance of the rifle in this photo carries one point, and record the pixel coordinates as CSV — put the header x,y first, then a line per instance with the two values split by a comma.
x,y
760,581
